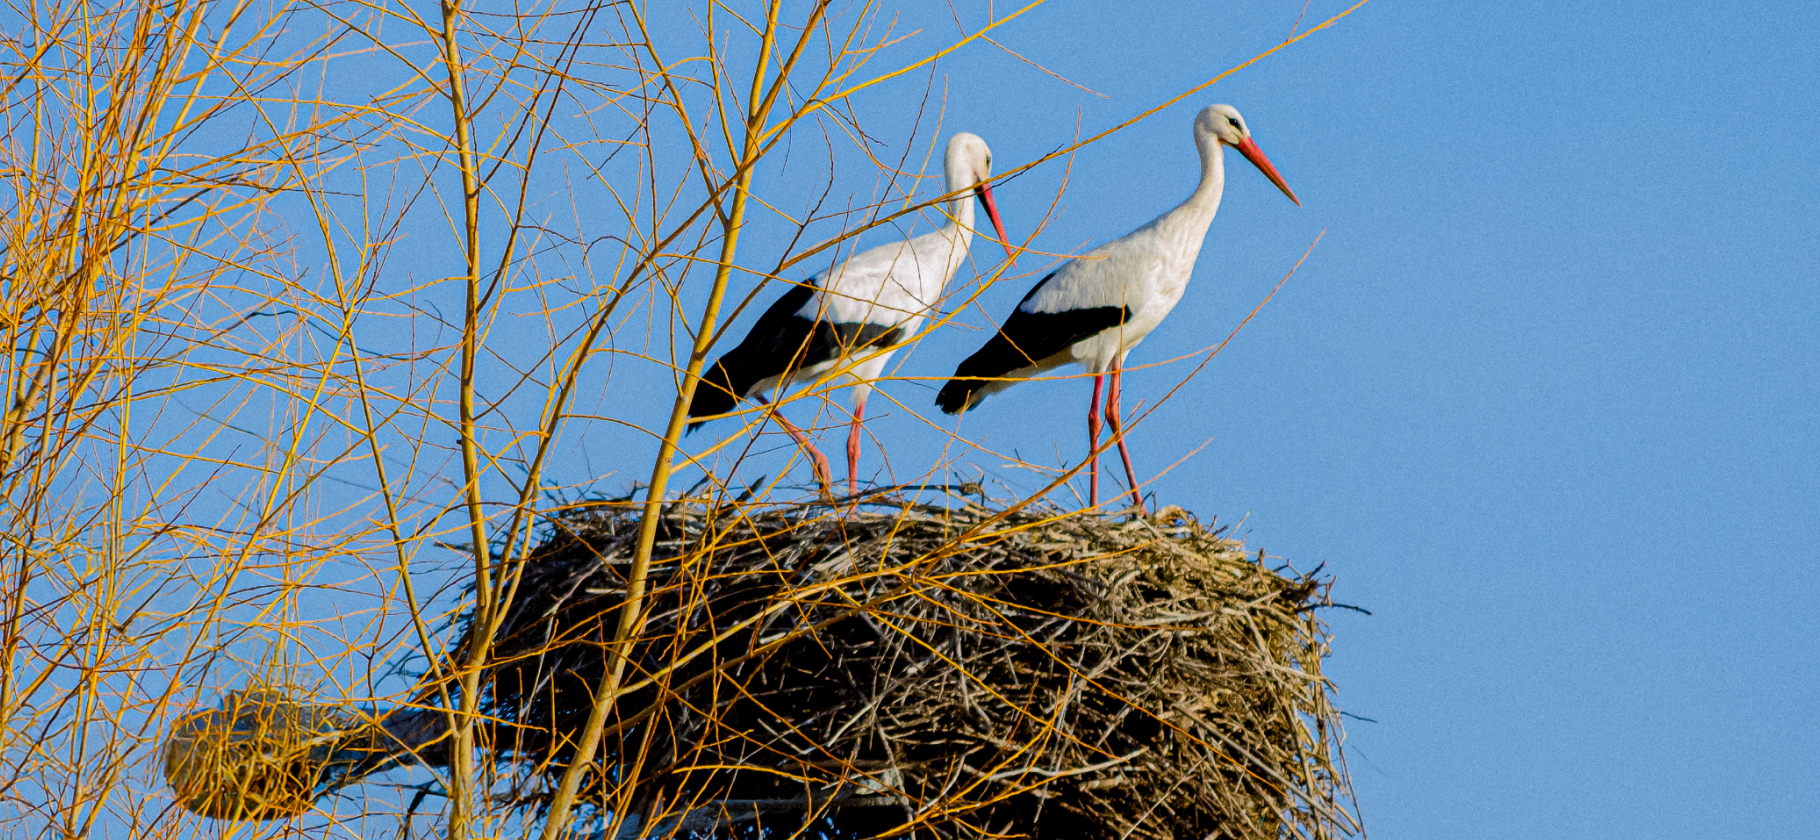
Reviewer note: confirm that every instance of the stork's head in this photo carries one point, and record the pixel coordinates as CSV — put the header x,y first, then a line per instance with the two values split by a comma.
x,y
969,164
969,160
1223,123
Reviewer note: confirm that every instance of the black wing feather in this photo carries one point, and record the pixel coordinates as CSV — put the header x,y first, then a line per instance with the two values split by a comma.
x,y
781,341
1026,339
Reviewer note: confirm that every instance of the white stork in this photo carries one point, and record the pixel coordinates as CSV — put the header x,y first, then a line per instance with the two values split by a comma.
x,y
862,308
1096,308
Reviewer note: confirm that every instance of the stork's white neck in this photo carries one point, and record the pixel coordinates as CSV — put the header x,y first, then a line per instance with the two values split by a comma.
x,y
1206,197
960,207
1187,224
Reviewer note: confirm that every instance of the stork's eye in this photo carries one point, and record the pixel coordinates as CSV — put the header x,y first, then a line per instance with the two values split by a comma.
x,y
1235,123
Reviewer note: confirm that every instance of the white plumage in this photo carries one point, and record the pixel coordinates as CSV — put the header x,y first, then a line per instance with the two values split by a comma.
x,y
1095,308
863,307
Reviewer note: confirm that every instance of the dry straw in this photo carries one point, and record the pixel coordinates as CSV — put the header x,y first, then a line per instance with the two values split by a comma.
x,y
958,669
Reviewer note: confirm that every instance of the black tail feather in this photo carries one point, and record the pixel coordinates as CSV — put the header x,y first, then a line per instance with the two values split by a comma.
x,y
998,358
958,393
717,392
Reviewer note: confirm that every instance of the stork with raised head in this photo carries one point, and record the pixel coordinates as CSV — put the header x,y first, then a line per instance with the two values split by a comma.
x,y
1094,309
856,314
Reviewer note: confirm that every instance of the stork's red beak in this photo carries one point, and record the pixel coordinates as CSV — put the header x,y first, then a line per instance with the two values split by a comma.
x,y
1249,148
985,194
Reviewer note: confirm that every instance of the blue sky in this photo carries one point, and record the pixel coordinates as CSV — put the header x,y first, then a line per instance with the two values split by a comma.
x,y
1543,398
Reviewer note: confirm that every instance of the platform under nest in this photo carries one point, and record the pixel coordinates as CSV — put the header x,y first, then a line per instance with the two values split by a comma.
x,y
953,670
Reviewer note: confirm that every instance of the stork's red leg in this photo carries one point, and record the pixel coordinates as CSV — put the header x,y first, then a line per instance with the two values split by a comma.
x,y
823,475
1118,434
859,413
1093,443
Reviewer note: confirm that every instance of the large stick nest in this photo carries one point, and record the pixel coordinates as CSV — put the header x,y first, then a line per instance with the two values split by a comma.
x,y
956,669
